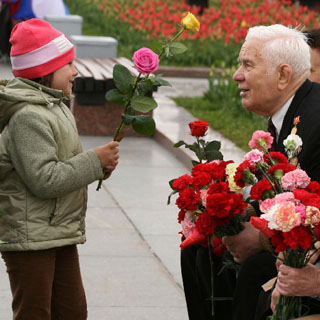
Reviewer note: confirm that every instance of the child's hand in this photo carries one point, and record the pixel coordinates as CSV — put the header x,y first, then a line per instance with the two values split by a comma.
x,y
108,155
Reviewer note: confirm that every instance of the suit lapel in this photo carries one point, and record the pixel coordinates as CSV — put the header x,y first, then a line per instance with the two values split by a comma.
x,y
292,113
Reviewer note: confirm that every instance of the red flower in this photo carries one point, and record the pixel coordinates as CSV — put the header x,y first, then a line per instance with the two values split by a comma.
x,y
198,128
277,157
278,241
262,225
201,179
219,187
218,248
241,175
298,237
284,167
181,215
205,224
182,182
225,205
313,201
217,169
302,195
194,238
188,199
313,187
316,231
261,190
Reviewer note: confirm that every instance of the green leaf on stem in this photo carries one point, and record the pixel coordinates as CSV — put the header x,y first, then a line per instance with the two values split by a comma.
x,y
115,95
144,125
179,144
177,48
192,147
170,195
127,119
213,145
194,162
156,46
167,51
143,104
158,81
214,155
145,87
122,78
130,111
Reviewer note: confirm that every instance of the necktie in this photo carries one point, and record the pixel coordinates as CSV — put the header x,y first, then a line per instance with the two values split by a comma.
x,y
272,130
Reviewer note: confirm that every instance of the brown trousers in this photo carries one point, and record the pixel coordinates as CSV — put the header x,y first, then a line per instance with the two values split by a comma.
x,y
46,284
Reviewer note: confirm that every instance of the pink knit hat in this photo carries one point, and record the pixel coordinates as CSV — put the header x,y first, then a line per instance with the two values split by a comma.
x,y
38,49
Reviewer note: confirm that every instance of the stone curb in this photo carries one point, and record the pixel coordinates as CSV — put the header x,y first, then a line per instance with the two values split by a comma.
x,y
184,72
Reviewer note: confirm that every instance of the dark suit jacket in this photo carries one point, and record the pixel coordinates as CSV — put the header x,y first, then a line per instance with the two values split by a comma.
x,y
306,104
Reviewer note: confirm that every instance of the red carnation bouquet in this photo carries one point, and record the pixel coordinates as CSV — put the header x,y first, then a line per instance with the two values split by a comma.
x,y
209,206
290,206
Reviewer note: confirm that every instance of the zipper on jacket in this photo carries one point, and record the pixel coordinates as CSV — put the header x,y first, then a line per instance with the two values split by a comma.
x,y
53,209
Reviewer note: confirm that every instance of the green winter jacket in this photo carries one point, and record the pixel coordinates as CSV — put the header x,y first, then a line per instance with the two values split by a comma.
x,y
43,172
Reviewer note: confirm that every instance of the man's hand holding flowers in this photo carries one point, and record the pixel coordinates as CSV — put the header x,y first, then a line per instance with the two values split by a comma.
x,y
304,282
245,244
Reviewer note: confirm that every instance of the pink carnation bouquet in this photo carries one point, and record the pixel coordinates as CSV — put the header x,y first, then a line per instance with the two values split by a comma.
x,y
289,202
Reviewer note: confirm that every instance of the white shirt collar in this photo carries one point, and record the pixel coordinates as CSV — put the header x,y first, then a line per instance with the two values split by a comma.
x,y
278,117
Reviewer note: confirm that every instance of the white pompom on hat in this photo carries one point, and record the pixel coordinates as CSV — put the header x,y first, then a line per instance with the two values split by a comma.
x,y
37,49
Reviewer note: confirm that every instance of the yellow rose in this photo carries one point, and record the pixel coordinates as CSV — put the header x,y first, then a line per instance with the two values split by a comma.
x,y
191,22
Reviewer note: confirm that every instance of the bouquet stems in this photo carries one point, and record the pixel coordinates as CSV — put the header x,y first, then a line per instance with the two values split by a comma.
x,y
287,307
212,275
120,127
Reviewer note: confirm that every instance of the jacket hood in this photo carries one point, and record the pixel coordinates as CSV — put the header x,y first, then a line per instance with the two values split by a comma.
x,y
19,92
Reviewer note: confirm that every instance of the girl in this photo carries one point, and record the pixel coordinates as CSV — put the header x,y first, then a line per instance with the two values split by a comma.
x,y
44,176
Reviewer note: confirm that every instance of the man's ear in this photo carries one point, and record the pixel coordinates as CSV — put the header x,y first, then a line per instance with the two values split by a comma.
x,y
284,76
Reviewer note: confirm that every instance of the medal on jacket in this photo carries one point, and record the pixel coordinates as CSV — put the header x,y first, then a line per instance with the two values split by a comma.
x,y
293,143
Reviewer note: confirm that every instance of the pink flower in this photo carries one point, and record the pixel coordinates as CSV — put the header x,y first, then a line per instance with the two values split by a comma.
x,y
312,216
282,217
295,179
261,140
254,156
145,60
203,196
267,204
187,226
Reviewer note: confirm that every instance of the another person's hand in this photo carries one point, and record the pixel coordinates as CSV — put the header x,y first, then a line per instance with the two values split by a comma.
x,y
279,260
108,155
298,282
274,298
244,244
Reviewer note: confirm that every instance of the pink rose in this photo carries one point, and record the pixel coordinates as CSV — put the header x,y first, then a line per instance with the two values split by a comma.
x,y
145,60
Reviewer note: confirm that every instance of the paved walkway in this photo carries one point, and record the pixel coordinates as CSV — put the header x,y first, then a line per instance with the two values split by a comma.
x,y
130,262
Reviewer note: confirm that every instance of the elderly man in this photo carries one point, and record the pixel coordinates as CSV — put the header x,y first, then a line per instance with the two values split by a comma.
x,y
272,77
275,64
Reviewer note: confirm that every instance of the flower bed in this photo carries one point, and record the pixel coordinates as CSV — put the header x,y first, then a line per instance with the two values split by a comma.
x,y
135,23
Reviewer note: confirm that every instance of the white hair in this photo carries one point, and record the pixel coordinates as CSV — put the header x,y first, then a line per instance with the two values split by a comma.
x,y
283,45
